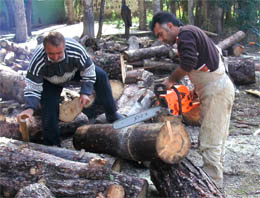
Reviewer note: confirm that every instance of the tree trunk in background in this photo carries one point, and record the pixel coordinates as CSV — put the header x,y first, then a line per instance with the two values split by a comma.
x,y
156,6
198,16
69,11
142,14
173,6
88,20
191,4
20,22
205,21
10,4
28,13
101,19
215,17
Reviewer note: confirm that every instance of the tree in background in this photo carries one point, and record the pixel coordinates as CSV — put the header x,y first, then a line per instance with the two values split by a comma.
x,y
20,22
101,19
142,15
88,19
28,13
69,11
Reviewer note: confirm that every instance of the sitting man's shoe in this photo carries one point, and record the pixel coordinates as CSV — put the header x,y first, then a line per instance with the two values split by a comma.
x,y
113,117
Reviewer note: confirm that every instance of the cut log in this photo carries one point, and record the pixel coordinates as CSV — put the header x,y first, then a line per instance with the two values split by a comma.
x,y
142,142
144,53
9,58
116,191
3,53
236,50
110,63
182,180
11,84
35,190
77,156
241,70
233,39
21,166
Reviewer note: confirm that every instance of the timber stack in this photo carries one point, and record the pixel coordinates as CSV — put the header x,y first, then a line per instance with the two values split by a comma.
x,y
94,170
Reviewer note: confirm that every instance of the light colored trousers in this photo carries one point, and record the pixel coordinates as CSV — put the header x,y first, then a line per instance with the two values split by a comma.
x,y
216,94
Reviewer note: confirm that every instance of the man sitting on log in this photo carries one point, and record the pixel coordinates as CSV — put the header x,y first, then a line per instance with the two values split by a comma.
x,y
54,63
201,60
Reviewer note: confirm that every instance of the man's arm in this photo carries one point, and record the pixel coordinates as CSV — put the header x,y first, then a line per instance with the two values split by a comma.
x,y
175,76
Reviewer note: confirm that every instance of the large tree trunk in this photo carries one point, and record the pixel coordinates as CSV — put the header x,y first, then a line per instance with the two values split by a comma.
x,y
20,22
142,14
28,12
233,39
191,4
21,166
144,142
88,20
69,11
182,180
101,19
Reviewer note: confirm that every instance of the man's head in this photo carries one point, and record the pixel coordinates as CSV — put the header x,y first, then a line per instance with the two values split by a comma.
x,y
166,27
54,45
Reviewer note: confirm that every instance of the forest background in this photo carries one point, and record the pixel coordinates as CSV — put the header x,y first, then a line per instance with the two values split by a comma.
x,y
218,16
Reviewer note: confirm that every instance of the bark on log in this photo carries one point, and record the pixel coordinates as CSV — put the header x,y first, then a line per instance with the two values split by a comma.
x,y
233,39
10,127
65,178
143,142
182,180
11,84
135,55
36,191
110,63
159,65
241,70
72,155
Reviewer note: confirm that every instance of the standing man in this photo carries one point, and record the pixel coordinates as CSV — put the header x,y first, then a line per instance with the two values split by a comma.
x,y
201,60
55,62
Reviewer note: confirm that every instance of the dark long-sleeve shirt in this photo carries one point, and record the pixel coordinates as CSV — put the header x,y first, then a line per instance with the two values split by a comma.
x,y
196,49
76,59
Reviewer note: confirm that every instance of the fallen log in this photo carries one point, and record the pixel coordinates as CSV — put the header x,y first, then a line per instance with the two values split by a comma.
x,y
233,39
159,65
35,190
241,70
10,127
144,53
143,142
21,166
182,180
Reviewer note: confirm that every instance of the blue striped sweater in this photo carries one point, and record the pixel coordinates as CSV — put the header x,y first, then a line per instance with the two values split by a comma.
x,y
40,68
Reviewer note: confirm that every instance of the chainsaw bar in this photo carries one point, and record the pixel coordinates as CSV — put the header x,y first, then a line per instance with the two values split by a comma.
x,y
136,118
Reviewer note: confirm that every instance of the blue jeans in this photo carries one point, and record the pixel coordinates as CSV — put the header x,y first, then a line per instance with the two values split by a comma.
x,y
50,100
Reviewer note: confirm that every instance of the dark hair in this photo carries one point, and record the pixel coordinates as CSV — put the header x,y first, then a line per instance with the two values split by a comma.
x,y
54,38
165,17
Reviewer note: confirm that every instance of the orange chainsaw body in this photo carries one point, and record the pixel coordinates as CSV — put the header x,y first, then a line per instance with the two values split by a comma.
x,y
171,98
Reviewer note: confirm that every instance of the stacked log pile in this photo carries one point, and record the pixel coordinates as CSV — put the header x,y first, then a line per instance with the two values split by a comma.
x,y
66,173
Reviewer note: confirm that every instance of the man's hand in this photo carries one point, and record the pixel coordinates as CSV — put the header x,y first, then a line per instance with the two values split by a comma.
x,y
84,100
28,113
168,84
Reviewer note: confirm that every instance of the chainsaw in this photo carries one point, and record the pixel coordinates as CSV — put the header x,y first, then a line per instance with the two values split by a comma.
x,y
176,101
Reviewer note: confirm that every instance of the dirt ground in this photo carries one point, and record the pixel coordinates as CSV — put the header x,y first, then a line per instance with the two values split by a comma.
x,y
242,179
